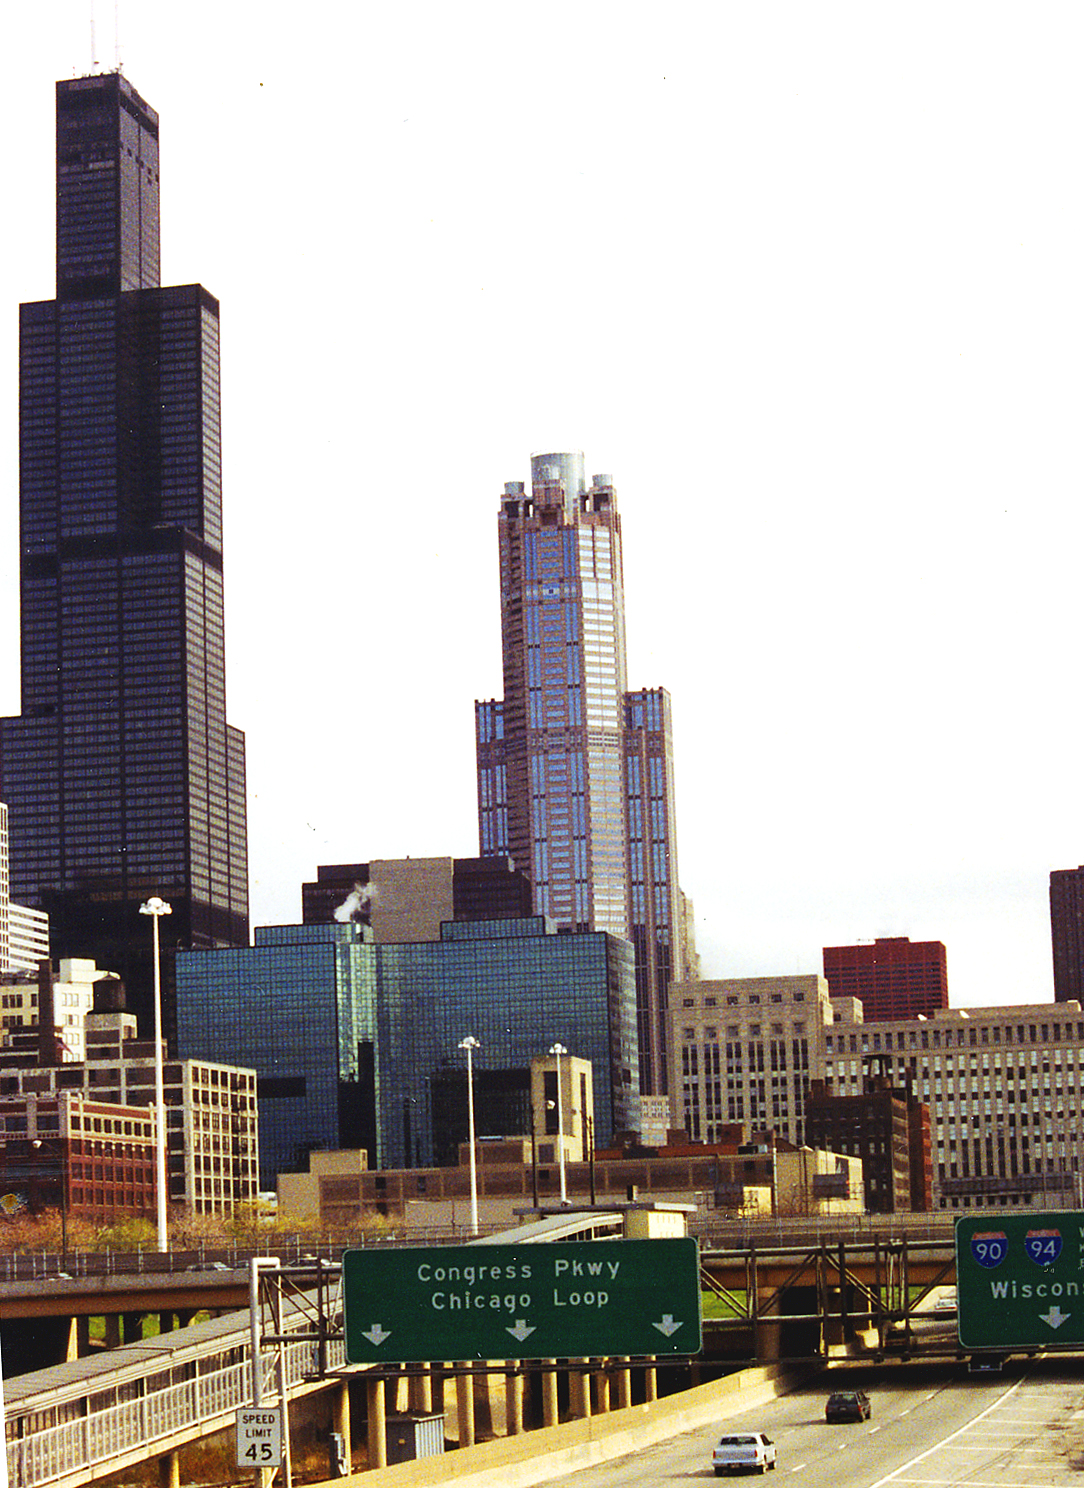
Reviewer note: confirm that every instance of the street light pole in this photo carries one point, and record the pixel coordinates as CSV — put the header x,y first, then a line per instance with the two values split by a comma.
x,y
557,1051
470,1043
62,1149
156,908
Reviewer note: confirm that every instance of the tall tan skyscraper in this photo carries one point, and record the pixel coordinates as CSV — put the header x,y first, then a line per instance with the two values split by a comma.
x,y
575,773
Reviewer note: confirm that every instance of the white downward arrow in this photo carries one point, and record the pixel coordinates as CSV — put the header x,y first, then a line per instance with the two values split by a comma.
x,y
520,1331
667,1326
1055,1317
376,1335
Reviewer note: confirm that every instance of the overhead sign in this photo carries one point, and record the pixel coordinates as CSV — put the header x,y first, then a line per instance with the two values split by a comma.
x,y
259,1436
1020,1280
576,1300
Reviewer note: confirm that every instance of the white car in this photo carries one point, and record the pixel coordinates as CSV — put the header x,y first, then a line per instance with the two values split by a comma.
x,y
750,1452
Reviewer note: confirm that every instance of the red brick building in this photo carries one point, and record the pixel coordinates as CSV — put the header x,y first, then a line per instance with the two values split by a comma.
x,y
892,978
92,1159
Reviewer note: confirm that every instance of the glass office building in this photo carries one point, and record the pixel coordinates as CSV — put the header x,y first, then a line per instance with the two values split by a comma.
x,y
122,777
357,1044
576,773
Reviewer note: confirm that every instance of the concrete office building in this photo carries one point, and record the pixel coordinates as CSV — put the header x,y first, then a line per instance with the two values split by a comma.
x,y
745,1050
892,978
889,1129
357,1044
1004,1089
575,772
24,932
72,994
408,899
122,777
28,937
339,1191
212,1132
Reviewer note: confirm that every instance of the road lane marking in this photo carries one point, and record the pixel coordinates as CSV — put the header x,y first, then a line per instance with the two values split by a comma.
x,y
998,1446
898,1474
971,1482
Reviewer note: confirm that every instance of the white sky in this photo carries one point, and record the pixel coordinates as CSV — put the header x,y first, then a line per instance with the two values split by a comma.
x,y
805,278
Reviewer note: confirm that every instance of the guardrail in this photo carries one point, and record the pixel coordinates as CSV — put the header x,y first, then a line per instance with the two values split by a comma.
x,y
712,1229
69,1425
35,1265
743,1233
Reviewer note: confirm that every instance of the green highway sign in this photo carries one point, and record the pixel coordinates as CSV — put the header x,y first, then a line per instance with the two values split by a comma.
x,y
1020,1280
578,1300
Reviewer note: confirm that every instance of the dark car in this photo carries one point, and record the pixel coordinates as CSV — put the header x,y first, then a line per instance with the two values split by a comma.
x,y
847,1405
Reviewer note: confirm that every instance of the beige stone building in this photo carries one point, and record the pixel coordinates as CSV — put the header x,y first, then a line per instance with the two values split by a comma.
x,y
744,1050
1004,1086
73,998
339,1191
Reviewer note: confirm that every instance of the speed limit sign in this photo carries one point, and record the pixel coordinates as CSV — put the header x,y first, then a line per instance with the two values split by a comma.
x,y
259,1437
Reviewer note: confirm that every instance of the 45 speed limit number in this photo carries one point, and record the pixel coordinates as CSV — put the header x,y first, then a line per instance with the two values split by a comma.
x,y
259,1437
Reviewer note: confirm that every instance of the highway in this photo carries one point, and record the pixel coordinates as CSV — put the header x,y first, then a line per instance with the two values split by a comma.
x,y
932,1426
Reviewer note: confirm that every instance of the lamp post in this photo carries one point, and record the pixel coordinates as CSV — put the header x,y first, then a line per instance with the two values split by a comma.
x,y
61,1153
557,1050
1069,1163
156,908
470,1043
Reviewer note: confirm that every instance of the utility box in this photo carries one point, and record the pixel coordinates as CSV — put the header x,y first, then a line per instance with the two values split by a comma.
x,y
338,1464
415,1436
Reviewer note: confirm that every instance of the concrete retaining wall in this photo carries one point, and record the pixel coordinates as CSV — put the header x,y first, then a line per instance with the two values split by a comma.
x,y
536,1456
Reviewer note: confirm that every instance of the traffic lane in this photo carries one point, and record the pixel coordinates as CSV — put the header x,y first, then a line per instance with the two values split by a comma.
x,y
917,1409
1031,1433
912,1403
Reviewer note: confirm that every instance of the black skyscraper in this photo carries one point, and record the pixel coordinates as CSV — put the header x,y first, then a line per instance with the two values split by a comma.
x,y
122,776
1067,933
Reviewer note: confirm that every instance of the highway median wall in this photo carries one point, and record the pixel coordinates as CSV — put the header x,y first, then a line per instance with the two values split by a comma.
x,y
551,1451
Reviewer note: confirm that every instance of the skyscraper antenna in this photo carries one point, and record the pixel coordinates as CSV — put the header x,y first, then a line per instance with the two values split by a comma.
x,y
93,43
116,33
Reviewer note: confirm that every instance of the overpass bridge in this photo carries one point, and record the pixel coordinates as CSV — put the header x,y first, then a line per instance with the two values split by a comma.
x,y
88,1418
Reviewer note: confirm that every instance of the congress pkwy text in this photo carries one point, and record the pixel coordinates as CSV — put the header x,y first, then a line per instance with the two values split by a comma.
x,y
459,1288
523,1301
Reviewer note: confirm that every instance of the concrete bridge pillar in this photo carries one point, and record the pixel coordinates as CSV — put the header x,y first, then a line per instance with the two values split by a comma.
x,y
169,1470
623,1381
421,1391
377,1421
602,1392
579,1391
464,1405
341,1416
550,1414
651,1383
513,1400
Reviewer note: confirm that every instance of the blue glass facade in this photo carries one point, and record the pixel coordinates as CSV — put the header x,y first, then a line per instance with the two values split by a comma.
x,y
356,1044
